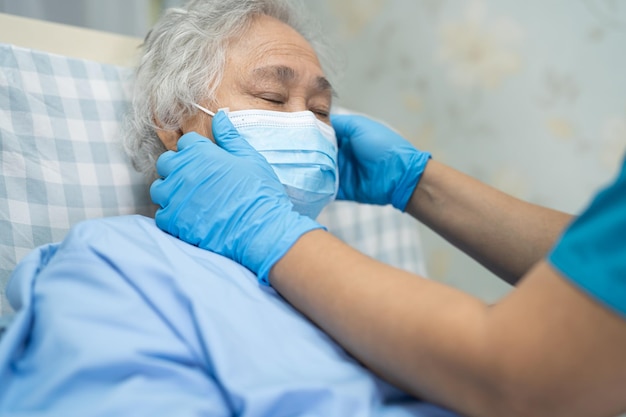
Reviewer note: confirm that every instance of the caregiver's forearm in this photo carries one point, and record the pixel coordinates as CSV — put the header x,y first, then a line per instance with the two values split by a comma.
x,y
505,234
376,312
547,349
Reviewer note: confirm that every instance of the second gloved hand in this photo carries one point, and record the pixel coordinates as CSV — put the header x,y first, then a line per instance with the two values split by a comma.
x,y
376,165
226,199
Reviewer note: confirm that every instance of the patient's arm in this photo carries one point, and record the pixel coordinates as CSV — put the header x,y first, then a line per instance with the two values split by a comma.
x,y
506,235
546,350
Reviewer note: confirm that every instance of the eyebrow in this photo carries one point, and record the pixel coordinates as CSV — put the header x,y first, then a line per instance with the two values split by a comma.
x,y
284,75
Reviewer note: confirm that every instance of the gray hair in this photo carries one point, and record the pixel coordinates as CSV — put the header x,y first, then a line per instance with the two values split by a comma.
x,y
183,62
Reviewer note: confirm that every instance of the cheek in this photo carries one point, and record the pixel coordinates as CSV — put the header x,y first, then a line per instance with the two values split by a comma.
x,y
199,123
236,102
229,96
233,98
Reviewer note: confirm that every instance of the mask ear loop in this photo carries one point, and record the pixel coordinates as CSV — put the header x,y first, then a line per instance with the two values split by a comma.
x,y
207,111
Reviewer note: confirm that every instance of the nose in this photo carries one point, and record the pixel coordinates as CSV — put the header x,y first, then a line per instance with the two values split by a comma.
x,y
296,104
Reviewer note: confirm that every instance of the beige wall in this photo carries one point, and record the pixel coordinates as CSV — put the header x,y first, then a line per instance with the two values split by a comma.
x,y
528,96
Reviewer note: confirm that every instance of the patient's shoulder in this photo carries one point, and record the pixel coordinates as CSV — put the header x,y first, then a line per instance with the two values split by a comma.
x,y
131,225
116,233
133,244
136,238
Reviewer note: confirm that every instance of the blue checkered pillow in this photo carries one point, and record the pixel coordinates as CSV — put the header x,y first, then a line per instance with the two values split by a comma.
x,y
61,162
60,156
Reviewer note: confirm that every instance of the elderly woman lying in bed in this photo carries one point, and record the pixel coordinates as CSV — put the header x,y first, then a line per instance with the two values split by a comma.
x,y
123,319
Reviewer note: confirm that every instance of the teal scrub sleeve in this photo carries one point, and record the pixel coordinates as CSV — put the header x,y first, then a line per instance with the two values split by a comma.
x,y
592,251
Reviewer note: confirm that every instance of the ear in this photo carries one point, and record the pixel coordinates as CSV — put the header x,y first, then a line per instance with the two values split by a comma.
x,y
195,123
169,138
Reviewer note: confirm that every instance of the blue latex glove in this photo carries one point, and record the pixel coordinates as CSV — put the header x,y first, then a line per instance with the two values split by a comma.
x,y
226,199
376,165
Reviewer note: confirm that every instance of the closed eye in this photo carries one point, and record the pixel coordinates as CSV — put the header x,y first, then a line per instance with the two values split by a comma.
x,y
321,113
273,99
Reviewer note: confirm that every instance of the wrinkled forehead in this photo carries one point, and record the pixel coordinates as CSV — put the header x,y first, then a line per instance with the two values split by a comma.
x,y
270,42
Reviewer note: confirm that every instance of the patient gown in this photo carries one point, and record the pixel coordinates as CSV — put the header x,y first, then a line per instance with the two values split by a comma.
x,y
122,319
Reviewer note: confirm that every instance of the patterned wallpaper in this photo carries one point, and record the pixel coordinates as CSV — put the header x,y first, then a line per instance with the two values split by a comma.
x,y
528,96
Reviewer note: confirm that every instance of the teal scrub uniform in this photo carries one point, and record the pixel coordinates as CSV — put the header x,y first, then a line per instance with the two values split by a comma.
x,y
592,251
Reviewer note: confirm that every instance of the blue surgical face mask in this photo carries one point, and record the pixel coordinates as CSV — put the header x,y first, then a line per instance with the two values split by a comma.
x,y
301,149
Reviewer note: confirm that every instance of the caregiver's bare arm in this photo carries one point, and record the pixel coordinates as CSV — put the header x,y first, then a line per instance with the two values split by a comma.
x,y
505,234
545,350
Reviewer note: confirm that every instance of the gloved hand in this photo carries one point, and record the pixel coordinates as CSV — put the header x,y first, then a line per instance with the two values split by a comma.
x,y
226,199
376,165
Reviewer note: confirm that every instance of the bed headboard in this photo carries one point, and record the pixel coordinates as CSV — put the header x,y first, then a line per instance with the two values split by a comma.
x,y
71,41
